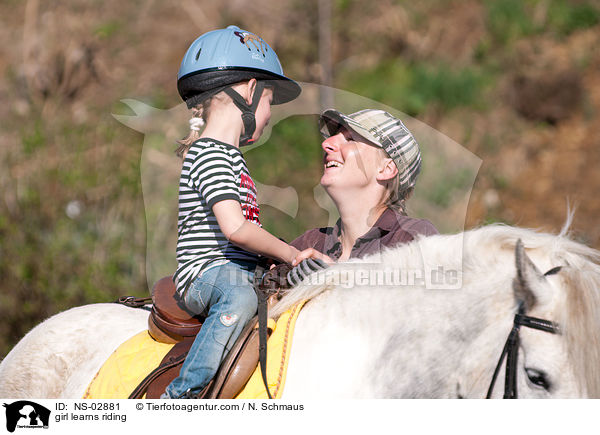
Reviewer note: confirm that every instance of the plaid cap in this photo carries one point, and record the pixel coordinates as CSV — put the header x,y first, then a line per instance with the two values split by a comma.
x,y
381,129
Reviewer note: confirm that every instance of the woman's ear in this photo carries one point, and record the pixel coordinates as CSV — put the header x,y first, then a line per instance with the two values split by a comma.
x,y
250,93
387,170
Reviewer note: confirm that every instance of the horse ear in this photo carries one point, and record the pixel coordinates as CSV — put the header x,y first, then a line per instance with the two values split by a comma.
x,y
529,279
143,118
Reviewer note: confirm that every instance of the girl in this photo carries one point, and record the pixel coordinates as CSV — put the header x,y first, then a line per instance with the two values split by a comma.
x,y
228,78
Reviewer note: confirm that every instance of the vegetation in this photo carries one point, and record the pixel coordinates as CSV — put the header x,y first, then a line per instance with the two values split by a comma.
x,y
419,85
72,214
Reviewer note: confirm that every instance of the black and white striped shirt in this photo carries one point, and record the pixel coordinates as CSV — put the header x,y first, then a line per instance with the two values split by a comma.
x,y
212,171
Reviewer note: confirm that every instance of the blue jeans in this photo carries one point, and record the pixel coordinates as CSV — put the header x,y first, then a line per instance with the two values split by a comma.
x,y
226,295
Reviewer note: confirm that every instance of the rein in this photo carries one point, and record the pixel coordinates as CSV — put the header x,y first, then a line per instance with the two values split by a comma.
x,y
262,320
511,351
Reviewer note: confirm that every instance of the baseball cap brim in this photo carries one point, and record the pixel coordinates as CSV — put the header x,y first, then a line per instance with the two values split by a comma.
x,y
381,129
331,119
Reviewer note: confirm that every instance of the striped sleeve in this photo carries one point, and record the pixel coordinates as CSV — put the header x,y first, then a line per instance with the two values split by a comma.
x,y
212,174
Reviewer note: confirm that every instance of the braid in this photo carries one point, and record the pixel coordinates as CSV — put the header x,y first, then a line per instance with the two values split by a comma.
x,y
198,119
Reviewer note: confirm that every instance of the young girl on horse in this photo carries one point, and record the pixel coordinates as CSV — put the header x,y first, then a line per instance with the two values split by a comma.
x,y
228,78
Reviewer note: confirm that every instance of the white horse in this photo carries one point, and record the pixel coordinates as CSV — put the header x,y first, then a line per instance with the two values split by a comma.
x,y
359,337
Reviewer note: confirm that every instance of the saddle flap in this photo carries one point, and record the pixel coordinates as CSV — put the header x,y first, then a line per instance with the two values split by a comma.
x,y
233,373
172,361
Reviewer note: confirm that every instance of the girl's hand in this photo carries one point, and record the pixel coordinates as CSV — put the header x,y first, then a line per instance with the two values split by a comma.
x,y
293,255
311,253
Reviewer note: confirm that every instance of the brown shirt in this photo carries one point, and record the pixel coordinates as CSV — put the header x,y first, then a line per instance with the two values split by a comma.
x,y
390,229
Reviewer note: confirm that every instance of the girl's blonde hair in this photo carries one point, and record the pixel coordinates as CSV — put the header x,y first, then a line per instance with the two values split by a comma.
x,y
198,119
200,114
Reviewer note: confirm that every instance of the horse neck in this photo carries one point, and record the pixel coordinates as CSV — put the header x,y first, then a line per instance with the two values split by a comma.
x,y
437,335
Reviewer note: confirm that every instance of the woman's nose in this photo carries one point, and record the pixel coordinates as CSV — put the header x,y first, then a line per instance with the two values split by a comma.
x,y
332,143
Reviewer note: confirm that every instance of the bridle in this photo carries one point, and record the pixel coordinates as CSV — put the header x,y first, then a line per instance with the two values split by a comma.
x,y
511,347
511,351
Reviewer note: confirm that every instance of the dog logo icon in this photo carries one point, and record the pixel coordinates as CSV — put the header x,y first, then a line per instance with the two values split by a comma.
x,y
26,414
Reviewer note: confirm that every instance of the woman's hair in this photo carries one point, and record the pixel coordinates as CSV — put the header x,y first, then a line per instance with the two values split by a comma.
x,y
396,196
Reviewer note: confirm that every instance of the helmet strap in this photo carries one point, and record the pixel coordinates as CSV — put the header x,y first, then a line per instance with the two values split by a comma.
x,y
248,111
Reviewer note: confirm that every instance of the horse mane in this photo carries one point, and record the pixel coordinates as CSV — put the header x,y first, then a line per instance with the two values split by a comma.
x,y
335,275
579,316
424,250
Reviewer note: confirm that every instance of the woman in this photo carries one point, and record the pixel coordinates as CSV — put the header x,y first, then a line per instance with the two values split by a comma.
x,y
371,164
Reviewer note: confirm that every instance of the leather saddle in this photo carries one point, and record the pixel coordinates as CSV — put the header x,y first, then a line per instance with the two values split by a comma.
x,y
170,322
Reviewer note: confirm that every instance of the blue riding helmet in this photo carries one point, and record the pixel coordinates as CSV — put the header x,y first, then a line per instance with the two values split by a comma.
x,y
227,56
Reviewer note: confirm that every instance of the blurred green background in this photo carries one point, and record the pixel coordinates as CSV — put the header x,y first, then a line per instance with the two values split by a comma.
x,y
516,82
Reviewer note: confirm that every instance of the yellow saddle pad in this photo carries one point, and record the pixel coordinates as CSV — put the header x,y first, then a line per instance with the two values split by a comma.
x,y
127,367
279,347
137,357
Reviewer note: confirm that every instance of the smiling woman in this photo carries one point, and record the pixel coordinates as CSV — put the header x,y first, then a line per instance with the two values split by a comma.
x,y
370,167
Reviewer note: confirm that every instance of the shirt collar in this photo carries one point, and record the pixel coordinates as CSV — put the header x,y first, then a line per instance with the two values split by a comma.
x,y
384,224
388,220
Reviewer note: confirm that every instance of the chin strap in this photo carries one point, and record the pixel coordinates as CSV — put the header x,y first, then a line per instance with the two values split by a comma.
x,y
248,111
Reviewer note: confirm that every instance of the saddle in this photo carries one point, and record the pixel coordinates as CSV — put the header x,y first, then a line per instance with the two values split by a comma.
x,y
170,322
